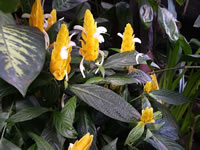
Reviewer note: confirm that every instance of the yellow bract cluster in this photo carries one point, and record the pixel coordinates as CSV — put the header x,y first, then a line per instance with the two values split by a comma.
x,y
59,67
83,144
151,86
127,43
90,44
147,116
37,16
51,20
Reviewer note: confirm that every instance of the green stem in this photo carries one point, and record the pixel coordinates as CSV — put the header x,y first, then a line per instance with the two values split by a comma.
x,y
175,68
193,130
4,128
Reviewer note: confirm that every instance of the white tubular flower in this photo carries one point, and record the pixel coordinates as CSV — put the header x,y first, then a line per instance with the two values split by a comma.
x,y
82,68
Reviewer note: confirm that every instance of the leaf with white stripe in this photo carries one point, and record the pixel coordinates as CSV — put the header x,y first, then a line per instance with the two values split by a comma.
x,y
22,55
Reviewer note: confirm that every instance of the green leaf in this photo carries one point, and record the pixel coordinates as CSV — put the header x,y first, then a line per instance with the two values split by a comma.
x,y
134,135
157,115
195,41
121,79
190,58
197,22
27,114
64,5
121,60
168,23
6,18
85,125
123,13
115,49
145,102
106,101
140,76
111,146
63,121
6,89
170,97
41,143
146,15
163,143
9,6
33,147
7,145
22,55
185,44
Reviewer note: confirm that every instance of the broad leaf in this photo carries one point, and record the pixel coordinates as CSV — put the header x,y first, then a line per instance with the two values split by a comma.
x,y
190,58
64,5
163,143
106,101
140,76
123,13
121,60
9,6
6,18
41,143
146,15
185,44
63,121
7,145
111,146
85,125
27,114
134,134
170,97
22,55
168,23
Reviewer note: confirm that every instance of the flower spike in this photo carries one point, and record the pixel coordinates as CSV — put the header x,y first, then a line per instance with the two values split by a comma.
x,y
147,116
151,85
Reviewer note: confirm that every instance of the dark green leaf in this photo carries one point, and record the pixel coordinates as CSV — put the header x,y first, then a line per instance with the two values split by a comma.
x,y
140,76
123,13
80,10
134,135
9,6
111,146
22,55
170,97
27,114
41,143
106,5
86,125
195,41
121,60
106,101
197,22
190,58
50,135
163,143
6,89
33,147
121,79
7,145
115,49
180,2
3,117
168,23
64,5
63,121
6,18
146,15
95,80
145,102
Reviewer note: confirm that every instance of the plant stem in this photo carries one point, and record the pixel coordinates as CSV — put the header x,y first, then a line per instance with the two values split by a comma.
x,y
175,68
4,128
193,130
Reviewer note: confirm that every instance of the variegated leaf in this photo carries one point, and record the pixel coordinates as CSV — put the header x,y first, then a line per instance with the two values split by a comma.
x,y
22,55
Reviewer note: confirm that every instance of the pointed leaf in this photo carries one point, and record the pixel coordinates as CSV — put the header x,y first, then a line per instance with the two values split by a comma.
x,y
170,97
197,22
63,121
22,55
9,6
121,60
106,101
41,143
111,146
6,89
27,114
64,5
3,117
7,145
146,15
6,18
168,23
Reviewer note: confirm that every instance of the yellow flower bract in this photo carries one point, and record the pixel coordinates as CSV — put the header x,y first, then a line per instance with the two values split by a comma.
x,y
147,116
151,86
90,44
51,20
127,43
83,144
37,17
58,66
